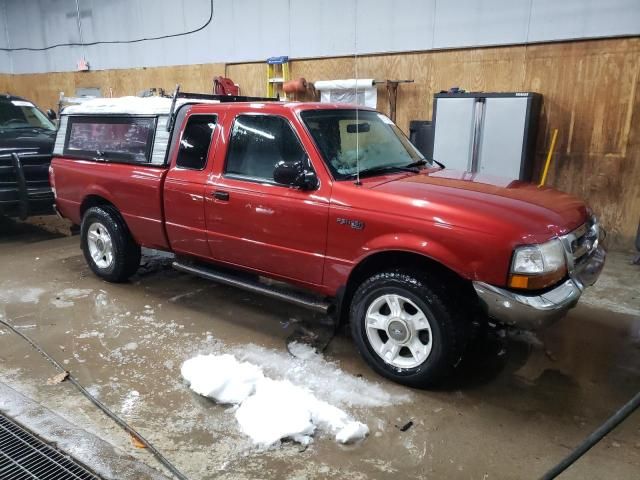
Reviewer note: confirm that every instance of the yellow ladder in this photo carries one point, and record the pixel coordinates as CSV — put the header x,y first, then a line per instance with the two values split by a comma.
x,y
277,74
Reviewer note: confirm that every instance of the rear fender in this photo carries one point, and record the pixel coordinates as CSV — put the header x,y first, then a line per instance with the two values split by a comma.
x,y
95,191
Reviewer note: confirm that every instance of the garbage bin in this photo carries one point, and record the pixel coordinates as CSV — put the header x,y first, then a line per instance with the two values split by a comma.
x,y
421,135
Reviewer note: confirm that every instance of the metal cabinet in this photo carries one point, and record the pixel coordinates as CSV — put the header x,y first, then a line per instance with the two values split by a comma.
x,y
490,133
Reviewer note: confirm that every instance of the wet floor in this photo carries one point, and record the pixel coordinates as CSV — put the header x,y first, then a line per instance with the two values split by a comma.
x,y
515,408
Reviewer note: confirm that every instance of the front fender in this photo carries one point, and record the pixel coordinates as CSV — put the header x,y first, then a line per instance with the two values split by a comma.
x,y
411,243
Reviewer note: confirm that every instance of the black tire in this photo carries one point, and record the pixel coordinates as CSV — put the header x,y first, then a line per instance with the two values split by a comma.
x,y
449,327
126,253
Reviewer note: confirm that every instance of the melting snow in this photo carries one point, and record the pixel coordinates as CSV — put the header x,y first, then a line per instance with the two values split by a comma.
x,y
310,370
130,402
21,295
269,410
65,298
302,351
93,334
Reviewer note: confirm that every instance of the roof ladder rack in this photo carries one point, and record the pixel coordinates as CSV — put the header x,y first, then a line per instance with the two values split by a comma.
x,y
204,96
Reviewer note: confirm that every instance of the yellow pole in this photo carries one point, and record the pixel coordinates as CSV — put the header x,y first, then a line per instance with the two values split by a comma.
x,y
546,164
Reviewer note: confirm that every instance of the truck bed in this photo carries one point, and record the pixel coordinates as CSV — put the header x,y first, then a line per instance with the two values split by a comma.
x,y
135,190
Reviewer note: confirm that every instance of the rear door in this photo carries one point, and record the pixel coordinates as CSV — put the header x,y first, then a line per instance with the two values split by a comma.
x,y
184,187
257,223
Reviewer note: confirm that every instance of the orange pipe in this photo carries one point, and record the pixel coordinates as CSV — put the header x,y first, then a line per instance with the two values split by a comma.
x,y
295,86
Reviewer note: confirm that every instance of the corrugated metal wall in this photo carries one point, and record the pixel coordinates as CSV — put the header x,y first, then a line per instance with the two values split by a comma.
x,y
249,30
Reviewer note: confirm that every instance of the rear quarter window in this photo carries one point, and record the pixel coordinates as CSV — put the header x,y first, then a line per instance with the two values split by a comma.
x,y
118,139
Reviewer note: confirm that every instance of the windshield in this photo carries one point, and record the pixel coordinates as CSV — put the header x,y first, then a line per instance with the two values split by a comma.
x,y
345,137
19,114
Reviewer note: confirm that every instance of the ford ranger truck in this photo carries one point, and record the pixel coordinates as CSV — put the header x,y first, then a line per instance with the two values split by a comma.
x,y
328,207
26,142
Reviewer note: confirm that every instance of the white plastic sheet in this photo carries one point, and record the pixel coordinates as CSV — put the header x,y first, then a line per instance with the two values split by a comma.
x,y
361,91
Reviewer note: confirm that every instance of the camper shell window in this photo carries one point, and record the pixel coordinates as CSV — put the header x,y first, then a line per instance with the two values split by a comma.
x,y
111,138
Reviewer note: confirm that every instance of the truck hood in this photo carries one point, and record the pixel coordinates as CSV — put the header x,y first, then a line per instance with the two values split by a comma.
x,y
31,140
456,197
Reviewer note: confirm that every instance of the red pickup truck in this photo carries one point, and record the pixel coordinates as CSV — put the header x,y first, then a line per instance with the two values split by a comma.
x,y
337,206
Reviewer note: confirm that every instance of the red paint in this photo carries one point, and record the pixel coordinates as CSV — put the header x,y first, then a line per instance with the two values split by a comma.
x,y
135,190
467,222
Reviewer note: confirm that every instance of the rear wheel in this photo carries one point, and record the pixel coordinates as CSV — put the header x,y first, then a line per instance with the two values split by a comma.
x,y
407,329
108,247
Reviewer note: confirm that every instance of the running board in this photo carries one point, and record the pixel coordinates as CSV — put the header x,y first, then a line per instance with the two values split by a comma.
x,y
298,298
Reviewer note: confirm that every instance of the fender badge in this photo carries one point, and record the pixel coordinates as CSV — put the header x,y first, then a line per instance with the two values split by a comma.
x,y
355,224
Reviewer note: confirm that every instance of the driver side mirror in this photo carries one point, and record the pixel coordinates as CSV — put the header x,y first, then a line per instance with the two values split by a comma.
x,y
295,175
51,114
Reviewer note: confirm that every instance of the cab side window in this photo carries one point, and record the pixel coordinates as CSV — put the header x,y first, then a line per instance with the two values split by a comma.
x,y
195,142
258,143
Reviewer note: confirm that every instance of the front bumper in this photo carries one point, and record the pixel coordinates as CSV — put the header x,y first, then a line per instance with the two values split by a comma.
x,y
532,312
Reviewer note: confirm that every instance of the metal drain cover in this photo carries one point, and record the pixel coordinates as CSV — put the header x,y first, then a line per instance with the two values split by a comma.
x,y
25,456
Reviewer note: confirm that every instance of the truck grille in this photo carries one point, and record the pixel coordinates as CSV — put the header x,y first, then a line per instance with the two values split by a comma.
x,y
35,167
25,456
582,241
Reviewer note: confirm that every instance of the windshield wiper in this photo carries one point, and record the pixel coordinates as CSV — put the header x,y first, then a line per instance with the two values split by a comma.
x,y
419,163
386,168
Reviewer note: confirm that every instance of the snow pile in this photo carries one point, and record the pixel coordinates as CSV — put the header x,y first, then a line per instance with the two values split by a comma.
x,y
221,377
129,105
269,410
148,105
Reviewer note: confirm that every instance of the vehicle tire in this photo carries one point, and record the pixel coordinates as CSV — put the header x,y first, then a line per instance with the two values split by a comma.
x,y
407,328
107,245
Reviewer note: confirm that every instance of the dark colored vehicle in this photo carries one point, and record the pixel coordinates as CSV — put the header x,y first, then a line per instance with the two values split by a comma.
x,y
27,136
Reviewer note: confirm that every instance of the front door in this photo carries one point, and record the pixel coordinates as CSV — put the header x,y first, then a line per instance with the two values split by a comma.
x,y
257,223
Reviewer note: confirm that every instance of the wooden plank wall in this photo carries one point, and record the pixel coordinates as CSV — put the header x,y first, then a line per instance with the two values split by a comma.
x,y
590,91
4,82
44,88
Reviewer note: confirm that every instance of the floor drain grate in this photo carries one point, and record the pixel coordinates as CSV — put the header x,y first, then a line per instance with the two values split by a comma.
x,y
25,456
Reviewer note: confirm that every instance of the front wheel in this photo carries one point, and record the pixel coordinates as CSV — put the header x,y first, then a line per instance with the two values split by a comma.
x,y
107,245
406,329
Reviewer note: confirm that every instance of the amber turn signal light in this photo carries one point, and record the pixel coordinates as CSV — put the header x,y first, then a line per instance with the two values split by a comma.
x,y
536,282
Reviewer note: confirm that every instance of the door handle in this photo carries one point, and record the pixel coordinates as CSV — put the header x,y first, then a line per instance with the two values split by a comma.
x,y
220,195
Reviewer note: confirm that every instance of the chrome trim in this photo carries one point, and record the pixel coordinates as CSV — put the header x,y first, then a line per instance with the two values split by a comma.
x,y
586,272
529,312
291,296
581,242
585,255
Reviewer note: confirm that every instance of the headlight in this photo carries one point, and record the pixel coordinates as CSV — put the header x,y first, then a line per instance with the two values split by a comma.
x,y
538,266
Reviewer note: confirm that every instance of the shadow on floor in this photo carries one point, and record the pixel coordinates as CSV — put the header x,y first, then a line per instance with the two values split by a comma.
x,y
14,231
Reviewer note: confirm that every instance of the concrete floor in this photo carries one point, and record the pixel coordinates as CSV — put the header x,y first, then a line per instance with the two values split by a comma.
x,y
513,411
